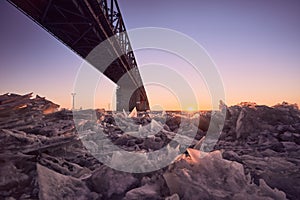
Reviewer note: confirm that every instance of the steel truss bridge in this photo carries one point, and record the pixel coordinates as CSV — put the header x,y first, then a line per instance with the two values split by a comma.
x,y
84,24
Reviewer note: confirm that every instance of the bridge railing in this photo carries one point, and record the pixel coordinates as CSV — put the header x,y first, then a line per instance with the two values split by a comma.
x,y
111,10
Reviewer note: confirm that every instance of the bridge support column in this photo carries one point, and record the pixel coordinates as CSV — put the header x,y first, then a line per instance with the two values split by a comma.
x,y
129,98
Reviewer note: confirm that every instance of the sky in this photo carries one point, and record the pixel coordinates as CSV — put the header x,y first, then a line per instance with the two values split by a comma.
x,y
254,44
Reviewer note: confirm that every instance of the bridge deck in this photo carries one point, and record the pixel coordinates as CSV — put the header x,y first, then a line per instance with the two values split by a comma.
x,y
84,24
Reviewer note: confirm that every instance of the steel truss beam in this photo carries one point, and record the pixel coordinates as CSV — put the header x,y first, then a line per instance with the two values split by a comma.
x,y
82,25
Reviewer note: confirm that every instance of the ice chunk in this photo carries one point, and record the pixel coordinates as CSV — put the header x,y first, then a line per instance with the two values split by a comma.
x,y
133,113
210,176
125,114
156,126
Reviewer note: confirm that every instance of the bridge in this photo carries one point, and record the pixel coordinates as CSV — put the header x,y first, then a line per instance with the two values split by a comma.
x,y
82,25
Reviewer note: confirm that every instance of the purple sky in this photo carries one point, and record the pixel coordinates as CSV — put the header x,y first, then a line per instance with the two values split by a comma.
x,y
255,45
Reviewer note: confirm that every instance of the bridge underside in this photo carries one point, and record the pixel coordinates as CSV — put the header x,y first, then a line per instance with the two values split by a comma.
x,y
84,24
